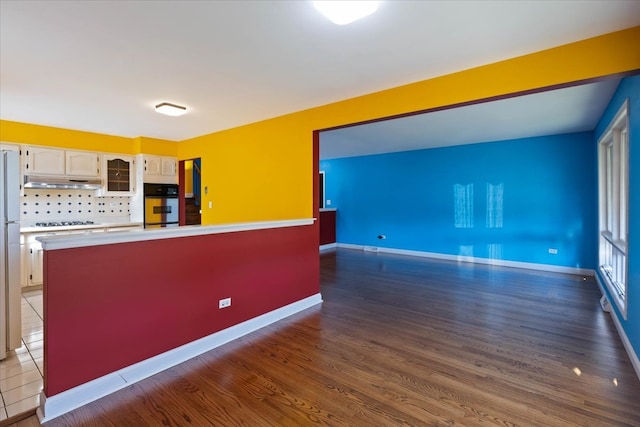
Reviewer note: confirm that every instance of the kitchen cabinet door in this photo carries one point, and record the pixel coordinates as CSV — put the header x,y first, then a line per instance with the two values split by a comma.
x,y
44,161
34,257
160,169
169,168
24,262
82,163
152,165
36,263
118,175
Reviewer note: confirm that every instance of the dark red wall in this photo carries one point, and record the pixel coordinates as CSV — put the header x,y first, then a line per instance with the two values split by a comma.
x,y
110,306
327,227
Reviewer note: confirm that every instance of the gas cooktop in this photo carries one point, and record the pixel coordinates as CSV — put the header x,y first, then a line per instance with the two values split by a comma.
x,y
62,223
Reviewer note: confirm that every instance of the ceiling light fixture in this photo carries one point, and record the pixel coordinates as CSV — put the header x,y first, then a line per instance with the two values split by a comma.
x,y
171,109
345,12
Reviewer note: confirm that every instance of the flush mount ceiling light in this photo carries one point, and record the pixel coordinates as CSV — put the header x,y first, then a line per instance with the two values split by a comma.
x,y
171,109
344,12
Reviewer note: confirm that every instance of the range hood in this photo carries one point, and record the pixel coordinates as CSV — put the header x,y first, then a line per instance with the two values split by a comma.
x,y
61,182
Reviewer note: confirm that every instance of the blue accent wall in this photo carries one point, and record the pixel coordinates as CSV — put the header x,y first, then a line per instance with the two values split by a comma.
x,y
508,200
629,88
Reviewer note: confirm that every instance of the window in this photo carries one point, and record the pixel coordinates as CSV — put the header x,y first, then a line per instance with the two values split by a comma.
x,y
613,161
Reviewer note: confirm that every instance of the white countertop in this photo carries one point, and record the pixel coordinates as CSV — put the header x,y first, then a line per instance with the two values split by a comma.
x,y
328,209
44,230
138,235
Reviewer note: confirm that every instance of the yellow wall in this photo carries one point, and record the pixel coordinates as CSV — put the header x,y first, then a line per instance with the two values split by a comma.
x,y
261,171
264,170
159,147
31,134
188,176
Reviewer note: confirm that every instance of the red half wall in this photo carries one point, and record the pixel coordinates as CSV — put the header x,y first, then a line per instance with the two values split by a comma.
x,y
107,307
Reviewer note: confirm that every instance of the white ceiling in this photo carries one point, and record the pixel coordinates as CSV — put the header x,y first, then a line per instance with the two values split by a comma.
x,y
574,109
101,65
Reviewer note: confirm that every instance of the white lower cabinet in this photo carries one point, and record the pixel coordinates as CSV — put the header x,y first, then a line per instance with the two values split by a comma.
x,y
36,263
35,260
24,264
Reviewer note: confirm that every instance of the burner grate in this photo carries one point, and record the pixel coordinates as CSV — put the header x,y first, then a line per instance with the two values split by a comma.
x,y
62,223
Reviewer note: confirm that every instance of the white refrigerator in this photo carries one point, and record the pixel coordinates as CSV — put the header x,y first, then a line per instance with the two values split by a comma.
x,y
10,292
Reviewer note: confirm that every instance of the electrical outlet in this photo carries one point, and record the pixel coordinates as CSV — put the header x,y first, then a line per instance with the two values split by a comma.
x,y
224,303
328,202
553,251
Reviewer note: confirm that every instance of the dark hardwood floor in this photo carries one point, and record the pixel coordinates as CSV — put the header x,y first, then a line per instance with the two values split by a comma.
x,y
404,341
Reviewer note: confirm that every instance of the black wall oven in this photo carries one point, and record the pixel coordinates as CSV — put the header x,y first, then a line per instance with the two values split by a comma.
x,y
160,205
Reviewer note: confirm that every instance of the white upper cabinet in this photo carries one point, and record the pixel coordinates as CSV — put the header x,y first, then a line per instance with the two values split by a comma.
x,y
44,161
159,169
82,163
169,166
56,161
152,165
118,175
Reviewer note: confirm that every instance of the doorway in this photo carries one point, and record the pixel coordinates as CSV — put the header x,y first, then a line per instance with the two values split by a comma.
x,y
190,179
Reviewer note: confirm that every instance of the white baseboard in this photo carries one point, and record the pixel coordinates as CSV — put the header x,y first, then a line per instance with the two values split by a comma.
x,y
633,356
54,406
635,362
470,259
327,246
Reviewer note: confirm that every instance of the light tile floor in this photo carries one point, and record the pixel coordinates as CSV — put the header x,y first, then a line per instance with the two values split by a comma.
x,y
22,371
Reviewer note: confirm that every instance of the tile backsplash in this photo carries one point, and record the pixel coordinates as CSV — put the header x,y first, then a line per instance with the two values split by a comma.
x,y
72,205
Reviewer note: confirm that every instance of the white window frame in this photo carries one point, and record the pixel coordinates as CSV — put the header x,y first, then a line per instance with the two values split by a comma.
x,y
613,203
